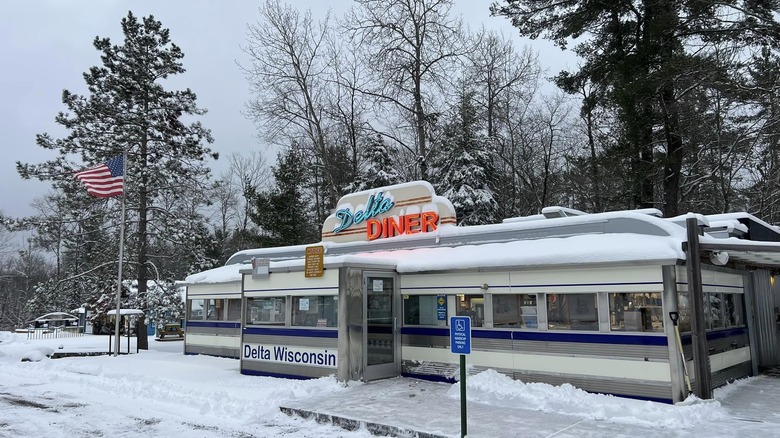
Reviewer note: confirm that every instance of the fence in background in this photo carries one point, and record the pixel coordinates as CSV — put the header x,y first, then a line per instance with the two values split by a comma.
x,y
52,333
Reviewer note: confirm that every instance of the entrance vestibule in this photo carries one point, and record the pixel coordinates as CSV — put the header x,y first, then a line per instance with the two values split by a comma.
x,y
380,322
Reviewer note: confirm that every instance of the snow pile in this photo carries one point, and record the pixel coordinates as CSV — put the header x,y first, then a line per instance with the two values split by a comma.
x,y
492,388
37,354
724,391
9,338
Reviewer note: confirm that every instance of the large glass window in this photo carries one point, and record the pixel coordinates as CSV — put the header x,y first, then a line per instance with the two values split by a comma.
x,y
215,310
572,312
234,309
515,311
196,310
315,311
473,306
425,310
713,310
266,310
636,312
734,310
684,309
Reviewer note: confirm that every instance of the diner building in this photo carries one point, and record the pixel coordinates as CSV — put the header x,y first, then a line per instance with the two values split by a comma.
x,y
558,297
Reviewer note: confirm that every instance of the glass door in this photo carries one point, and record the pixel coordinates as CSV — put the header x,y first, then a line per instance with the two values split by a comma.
x,y
380,341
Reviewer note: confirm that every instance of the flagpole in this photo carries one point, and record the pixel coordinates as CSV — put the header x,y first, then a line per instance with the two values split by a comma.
x,y
121,253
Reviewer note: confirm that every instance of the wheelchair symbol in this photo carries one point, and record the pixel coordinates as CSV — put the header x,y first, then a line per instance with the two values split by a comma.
x,y
460,326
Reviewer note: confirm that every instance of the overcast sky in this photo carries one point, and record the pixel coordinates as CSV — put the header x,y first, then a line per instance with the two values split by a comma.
x,y
46,46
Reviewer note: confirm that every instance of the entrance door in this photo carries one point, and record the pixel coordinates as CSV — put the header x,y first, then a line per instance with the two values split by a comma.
x,y
380,342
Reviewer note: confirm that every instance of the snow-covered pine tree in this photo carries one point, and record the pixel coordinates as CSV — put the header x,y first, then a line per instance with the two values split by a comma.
x,y
128,107
464,167
378,166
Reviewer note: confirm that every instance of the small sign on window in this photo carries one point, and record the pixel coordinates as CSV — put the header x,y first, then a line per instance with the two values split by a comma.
x,y
378,285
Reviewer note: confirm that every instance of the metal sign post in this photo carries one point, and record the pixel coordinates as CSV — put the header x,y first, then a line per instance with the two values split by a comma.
x,y
460,343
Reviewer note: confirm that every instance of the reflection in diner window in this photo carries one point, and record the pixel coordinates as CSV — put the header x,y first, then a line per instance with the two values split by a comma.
x,y
518,310
714,317
425,310
196,310
315,311
636,312
234,309
734,310
572,312
215,309
472,306
684,309
266,310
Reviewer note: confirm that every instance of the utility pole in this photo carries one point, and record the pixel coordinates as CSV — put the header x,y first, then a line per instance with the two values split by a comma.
x,y
701,357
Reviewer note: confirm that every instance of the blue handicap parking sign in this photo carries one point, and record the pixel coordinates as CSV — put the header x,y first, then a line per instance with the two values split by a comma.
x,y
460,334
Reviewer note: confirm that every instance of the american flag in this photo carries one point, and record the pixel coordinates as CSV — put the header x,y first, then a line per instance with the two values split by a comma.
x,y
105,180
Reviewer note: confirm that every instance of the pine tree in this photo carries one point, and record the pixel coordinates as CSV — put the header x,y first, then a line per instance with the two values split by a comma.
x,y
128,108
284,213
646,56
378,170
465,168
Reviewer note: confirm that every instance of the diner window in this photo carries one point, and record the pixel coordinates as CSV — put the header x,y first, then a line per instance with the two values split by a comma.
x,y
425,310
713,309
636,312
266,310
684,309
215,310
315,311
734,310
572,312
515,311
196,310
472,306
234,309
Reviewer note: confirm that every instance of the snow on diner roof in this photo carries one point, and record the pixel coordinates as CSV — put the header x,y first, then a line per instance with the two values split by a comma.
x,y
610,237
587,238
223,274
126,312
449,235
574,250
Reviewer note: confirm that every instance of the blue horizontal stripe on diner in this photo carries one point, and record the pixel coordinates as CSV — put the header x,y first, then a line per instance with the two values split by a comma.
x,y
284,289
440,378
592,338
620,283
277,375
445,331
714,285
717,334
587,338
450,287
213,324
296,332
189,353
426,331
720,334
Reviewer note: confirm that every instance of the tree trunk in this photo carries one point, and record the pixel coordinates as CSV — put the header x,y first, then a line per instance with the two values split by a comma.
x,y
674,154
143,201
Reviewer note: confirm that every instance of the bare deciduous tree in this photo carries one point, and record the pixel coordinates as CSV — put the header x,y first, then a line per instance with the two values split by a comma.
x,y
289,77
408,45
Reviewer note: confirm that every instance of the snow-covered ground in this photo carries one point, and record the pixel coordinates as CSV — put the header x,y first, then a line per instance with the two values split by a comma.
x,y
161,392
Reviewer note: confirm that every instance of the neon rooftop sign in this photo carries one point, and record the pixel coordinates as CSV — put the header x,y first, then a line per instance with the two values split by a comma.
x,y
401,209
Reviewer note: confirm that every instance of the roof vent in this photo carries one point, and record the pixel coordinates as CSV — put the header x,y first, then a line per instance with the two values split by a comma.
x,y
556,212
